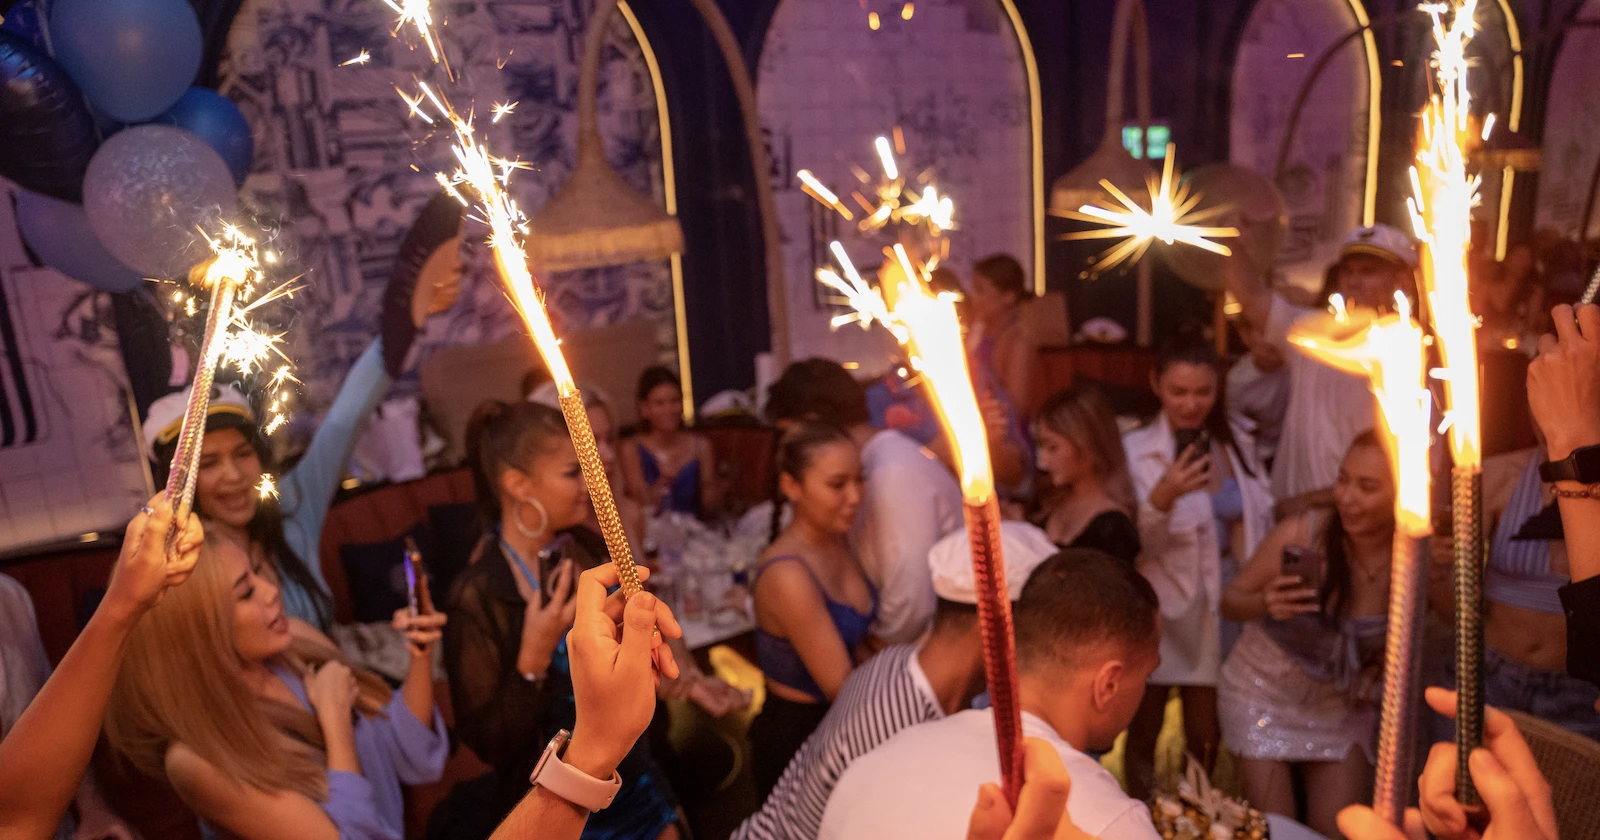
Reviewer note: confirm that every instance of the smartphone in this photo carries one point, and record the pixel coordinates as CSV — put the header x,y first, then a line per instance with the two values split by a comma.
x,y
414,570
549,561
1305,563
1200,439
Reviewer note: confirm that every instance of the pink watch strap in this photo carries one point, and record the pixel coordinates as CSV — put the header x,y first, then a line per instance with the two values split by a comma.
x,y
575,786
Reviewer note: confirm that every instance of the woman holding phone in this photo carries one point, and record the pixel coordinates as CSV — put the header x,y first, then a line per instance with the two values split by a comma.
x,y
510,611
1298,689
1203,501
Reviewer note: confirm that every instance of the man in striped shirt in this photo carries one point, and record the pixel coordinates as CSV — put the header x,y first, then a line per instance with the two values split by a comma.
x,y
902,686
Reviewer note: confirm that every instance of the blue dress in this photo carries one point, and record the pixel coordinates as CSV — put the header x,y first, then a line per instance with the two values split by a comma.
x,y
683,494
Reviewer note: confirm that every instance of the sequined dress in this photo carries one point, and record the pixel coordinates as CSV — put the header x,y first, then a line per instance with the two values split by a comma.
x,y
1287,691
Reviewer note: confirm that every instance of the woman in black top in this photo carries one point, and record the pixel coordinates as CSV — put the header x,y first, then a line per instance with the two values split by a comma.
x,y
1080,449
510,611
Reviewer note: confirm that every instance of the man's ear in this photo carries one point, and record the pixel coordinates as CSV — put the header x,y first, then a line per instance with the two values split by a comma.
x,y
1108,680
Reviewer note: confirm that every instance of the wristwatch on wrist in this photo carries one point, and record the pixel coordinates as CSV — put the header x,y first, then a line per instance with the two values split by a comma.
x,y
1582,466
575,786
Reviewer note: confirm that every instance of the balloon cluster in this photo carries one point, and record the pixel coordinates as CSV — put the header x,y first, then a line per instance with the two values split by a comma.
x,y
120,159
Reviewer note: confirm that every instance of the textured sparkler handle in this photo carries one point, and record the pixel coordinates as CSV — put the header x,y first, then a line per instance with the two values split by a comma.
x,y
1593,289
1401,671
1466,509
999,643
186,457
605,505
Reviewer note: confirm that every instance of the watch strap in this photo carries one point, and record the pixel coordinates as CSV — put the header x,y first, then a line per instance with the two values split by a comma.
x,y
1565,469
1582,466
575,786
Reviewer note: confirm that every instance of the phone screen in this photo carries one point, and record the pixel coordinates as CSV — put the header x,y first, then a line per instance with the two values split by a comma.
x,y
1305,563
1185,438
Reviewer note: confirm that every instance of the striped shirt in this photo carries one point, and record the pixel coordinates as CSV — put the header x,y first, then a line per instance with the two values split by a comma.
x,y
885,695
1519,573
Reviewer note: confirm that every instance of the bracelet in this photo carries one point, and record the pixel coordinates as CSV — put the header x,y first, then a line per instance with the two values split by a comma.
x,y
1591,491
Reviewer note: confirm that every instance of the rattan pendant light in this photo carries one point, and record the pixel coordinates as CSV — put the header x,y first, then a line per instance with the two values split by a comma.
x,y
597,219
1111,160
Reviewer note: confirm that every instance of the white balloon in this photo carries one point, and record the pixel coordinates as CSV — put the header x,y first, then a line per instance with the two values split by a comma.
x,y
149,192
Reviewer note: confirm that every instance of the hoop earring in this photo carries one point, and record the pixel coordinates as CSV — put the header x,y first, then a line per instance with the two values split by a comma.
x,y
516,517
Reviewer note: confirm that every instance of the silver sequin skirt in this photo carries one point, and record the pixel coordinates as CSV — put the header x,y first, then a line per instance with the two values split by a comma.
x,y
1271,709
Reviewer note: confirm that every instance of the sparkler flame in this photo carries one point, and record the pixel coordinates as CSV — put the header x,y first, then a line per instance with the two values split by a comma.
x,y
419,15
1441,214
268,489
359,58
929,211
1388,350
1172,217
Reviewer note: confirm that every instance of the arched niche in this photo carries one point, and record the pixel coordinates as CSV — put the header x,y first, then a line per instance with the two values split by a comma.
x,y
1327,177
1572,132
956,77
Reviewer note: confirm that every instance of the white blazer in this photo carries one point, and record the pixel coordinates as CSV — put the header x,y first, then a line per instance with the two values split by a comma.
x,y
1178,549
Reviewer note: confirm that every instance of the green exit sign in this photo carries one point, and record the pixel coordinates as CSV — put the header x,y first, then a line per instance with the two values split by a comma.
x,y
1155,148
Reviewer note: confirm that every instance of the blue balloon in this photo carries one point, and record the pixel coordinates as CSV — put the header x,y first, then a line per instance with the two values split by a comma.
x,y
132,58
215,119
58,233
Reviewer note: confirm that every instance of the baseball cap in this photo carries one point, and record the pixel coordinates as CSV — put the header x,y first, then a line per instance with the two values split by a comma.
x,y
1383,241
1025,546
165,418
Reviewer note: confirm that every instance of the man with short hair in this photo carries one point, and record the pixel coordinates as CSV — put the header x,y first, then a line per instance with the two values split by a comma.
x,y
1327,407
909,502
902,686
1088,636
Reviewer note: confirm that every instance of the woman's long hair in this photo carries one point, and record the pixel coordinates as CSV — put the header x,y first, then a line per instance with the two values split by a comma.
x,y
795,452
266,527
181,682
1082,415
1337,583
1193,350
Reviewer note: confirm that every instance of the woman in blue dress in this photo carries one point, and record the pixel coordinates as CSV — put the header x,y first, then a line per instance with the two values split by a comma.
x,y
668,468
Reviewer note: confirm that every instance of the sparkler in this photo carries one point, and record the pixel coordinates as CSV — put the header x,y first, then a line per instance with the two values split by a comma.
x,y
1441,213
418,14
894,201
1388,350
359,58
232,276
1172,217
925,324
484,176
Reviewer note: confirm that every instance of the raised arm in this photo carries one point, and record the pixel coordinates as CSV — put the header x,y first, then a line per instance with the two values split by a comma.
x,y
1251,595
45,754
1564,393
1248,286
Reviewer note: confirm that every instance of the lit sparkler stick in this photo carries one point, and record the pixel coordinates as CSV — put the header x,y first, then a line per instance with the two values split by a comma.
x,y
419,15
926,325
484,175
1388,350
1172,217
1441,212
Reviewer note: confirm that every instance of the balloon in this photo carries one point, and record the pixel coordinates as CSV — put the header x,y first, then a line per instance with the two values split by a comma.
x,y
133,58
46,132
1255,207
150,190
213,118
58,232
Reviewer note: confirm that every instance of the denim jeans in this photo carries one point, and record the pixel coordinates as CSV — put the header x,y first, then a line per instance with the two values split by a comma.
x,y
1550,695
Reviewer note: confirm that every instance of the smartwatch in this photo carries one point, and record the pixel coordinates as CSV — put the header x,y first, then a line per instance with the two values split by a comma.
x,y
1582,466
575,786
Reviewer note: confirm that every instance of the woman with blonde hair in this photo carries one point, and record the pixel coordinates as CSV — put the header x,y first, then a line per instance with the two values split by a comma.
x,y
259,724
1080,448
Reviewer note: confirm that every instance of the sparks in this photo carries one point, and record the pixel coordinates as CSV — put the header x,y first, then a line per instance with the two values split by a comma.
x,y
268,489
886,156
814,188
1172,217
419,15
360,58
1443,195
502,109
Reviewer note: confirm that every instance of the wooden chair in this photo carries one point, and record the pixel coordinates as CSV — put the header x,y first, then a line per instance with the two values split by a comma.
x,y
1572,764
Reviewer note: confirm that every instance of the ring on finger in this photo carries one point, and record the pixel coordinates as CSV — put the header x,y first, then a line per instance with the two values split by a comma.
x,y
147,511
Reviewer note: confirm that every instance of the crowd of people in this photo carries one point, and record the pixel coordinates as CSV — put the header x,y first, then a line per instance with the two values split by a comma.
x,y
1230,552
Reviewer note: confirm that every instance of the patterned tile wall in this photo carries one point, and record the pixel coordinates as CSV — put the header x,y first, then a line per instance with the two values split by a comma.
x,y
951,77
